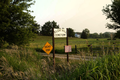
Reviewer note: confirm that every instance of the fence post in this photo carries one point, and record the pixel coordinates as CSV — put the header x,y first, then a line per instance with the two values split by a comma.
x,y
64,48
75,49
91,48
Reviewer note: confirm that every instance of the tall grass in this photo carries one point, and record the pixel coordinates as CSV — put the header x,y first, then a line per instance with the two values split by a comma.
x,y
19,64
105,68
27,64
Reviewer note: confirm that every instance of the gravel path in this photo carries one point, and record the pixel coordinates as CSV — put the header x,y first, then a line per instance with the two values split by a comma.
x,y
76,57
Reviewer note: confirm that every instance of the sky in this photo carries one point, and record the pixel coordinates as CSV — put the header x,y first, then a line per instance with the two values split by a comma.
x,y
75,14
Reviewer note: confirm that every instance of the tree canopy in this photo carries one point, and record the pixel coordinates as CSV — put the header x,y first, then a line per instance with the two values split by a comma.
x,y
112,11
36,28
117,35
47,28
16,22
100,35
71,32
85,33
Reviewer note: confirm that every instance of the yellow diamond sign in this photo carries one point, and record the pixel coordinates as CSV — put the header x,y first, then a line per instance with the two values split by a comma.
x,y
47,48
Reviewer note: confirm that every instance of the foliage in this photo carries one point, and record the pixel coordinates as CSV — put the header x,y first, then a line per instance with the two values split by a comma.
x,y
71,32
94,35
85,34
104,68
101,35
47,28
112,11
36,28
26,64
19,64
15,21
117,35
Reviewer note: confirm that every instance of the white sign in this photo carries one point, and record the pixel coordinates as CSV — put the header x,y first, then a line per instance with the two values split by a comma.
x,y
59,33
68,49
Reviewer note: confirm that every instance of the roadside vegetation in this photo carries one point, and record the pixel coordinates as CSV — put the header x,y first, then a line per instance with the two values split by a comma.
x,y
27,63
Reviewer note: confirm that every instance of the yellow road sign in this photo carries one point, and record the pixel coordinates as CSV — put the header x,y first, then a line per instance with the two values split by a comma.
x,y
47,48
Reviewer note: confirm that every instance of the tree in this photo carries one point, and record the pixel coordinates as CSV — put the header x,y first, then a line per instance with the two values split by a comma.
x,y
112,11
117,35
94,35
85,33
71,32
15,21
47,28
106,35
36,28
100,35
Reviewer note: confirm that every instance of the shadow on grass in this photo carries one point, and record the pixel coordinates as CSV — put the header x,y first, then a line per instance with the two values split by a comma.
x,y
95,50
58,51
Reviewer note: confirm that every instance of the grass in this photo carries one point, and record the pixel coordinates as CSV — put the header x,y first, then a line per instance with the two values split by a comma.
x,y
26,63
18,64
105,68
82,45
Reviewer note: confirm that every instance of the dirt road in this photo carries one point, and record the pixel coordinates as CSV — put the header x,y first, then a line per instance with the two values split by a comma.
x,y
76,57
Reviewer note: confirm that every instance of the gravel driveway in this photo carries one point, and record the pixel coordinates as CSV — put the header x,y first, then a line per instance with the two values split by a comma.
x,y
76,57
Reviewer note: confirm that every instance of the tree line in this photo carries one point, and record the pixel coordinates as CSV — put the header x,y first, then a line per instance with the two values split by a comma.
x,y
112,11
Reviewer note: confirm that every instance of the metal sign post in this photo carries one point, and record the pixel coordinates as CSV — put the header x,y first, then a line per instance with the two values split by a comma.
x,y
67,44
53,48
60,33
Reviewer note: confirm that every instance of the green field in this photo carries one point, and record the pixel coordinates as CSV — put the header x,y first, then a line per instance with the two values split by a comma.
x,y
98,46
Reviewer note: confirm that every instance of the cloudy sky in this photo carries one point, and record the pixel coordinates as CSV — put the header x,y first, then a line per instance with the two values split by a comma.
x,y
75,14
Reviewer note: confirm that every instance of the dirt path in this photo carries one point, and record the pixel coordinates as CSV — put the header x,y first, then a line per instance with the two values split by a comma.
x,y
76,57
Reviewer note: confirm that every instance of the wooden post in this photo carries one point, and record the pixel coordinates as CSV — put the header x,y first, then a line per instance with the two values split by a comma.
x,y
75,49
67,44
53,48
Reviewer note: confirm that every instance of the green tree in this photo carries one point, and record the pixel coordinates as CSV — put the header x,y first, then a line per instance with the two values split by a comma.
x,y
100,35
112,11
71,32
117,35
85,33
16,21
36,28
106,35
47,28
95,35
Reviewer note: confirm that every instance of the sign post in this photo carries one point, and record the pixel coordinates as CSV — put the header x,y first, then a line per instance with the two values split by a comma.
x,y
57,33
67,45
53,48
60,33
